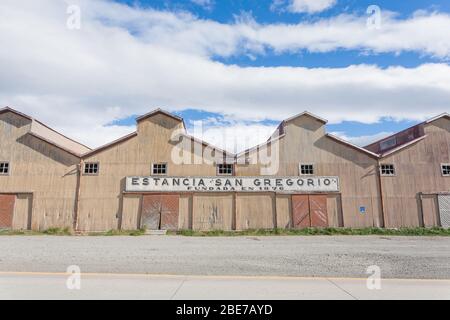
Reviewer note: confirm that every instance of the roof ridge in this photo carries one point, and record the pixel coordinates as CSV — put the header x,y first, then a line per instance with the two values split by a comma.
x,y
34,120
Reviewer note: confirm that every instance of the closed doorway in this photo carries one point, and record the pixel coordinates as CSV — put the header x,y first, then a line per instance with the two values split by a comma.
x,y
160,212
309,211
444,210
6,210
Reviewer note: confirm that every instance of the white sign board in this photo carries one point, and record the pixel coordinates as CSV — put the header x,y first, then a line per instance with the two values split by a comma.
x,y
232,184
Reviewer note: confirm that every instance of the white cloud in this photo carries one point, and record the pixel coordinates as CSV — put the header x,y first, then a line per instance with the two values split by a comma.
x,y
311,6
127,61
207,4
363,141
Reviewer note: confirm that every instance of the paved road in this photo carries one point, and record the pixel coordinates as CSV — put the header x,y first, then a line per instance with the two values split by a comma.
x,y
398,257
100,286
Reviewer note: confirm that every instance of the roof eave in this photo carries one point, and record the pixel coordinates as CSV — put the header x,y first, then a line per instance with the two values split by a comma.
x,y
403,146
354,146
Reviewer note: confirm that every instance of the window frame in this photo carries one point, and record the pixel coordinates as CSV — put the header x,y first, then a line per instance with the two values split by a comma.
x,y
91,174
442,169
385,174
9,168
306,164
224,174
159,164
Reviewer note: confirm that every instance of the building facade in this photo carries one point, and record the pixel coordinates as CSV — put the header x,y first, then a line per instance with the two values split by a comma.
x,y
159,177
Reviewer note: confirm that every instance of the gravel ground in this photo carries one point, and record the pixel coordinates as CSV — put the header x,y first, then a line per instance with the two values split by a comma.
x,y
339,256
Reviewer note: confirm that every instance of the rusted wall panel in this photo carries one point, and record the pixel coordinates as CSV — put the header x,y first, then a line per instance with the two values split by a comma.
x,y
6,210
300,211
160,212
318,211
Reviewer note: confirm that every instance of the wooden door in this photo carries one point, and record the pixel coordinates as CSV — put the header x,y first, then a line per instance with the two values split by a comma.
x,y
309,211
300,211
318,211
160,212
6,210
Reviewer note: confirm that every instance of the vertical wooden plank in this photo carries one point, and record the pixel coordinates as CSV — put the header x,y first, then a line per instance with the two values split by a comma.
x,y
334,209
318,211
185,212
300,211
170,211
213,211
255,211
130,212
283,203
430,210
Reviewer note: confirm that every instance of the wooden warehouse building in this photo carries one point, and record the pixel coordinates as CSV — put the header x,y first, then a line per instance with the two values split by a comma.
x,y
159,177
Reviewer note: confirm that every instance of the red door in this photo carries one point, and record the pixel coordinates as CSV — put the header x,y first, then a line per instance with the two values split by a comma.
x,y
318,211
309,211
160,212
6,210
300,211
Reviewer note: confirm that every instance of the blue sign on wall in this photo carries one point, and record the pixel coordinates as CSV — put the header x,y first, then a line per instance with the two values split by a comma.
x,y
362,210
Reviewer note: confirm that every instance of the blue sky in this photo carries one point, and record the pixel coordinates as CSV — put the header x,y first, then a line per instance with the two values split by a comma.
x,y
264,13
241,66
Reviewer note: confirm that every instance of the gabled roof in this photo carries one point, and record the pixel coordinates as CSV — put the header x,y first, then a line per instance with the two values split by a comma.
x,y
159,111
309,114
403,146
49,135
442,115
403,138
146,116
8,109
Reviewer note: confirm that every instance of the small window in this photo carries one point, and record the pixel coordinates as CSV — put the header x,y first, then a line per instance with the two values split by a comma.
x,y
4,168
159,169
91,168
387,170
225,169
389,143
307,169
445,170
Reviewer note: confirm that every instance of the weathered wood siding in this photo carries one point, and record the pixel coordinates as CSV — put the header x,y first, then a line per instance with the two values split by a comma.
x,y
418,169
305,142
213,211
43,176
101,196
255,211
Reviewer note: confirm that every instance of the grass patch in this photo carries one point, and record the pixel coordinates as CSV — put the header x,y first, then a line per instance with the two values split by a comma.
x,y
48,232
318,232
256,232
57,232
113,233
